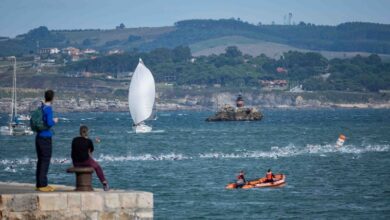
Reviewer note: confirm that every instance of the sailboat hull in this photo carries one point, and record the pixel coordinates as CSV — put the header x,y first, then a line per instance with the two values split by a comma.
x,y
16,130
142,128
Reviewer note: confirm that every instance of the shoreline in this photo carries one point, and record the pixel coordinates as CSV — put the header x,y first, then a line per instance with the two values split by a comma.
x,y
176,107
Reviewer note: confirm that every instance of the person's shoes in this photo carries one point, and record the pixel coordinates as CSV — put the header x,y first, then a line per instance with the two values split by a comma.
x,y
51,187
44,189
106,187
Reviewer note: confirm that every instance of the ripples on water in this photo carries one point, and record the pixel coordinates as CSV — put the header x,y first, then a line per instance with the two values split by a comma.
x,y
186,162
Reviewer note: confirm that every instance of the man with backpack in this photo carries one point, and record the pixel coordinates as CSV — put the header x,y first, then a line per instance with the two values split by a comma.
x,y
41,122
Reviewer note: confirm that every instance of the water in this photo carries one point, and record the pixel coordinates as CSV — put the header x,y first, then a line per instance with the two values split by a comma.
x,y
187,162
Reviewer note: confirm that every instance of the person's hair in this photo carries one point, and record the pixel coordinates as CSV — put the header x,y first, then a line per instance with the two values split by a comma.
x,y
269,170
49,95
83,131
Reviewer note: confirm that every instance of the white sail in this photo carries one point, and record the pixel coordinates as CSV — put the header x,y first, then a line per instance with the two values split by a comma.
x,y
142,93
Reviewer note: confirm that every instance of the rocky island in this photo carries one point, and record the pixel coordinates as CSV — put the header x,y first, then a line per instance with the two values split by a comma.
x,y
240,113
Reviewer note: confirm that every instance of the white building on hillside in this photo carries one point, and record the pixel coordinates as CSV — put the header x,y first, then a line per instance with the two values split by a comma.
x,y
89,51
71,51
52,50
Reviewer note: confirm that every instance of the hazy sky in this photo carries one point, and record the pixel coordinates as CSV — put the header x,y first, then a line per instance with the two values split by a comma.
x,y
19,16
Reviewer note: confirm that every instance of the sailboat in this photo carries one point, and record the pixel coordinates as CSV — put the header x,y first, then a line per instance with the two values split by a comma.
x,y
15,127
142,95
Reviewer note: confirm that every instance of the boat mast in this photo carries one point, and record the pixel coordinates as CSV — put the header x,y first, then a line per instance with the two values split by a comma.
x,y
15,96
13,103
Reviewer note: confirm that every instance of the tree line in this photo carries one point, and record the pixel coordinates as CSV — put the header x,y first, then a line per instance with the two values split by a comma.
x,y
233,68
351,36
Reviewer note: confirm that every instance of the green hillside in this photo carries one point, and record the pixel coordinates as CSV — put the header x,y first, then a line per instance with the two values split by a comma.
x,y
357,36
256,47
199,34
235,69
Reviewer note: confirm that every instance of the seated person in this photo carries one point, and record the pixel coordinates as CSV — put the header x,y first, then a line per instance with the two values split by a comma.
x,y
269,176
82,148
240,179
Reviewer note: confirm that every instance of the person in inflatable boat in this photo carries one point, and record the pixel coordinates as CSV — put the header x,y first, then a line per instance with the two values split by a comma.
x,y
241,179
269,176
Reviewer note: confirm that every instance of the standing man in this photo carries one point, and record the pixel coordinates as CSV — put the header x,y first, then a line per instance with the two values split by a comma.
x,y
43,144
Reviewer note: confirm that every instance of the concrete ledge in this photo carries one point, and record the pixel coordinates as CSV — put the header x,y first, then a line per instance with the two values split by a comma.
x,y
21,201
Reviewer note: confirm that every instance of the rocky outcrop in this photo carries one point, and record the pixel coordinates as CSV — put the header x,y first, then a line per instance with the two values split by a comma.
x,y
228,113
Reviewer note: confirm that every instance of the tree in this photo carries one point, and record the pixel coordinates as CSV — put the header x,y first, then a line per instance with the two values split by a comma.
x,y
121,26
232,51
181,53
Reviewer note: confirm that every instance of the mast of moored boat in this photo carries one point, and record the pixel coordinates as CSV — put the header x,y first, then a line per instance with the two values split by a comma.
x,y
14,96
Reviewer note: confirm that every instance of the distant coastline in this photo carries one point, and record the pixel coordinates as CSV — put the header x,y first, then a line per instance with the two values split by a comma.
x,y
104,105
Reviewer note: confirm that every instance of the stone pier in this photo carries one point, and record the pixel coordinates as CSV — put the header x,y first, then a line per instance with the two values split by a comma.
x,y
21,201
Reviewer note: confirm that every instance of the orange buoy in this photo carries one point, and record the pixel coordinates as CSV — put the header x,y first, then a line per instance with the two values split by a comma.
x,y
340,140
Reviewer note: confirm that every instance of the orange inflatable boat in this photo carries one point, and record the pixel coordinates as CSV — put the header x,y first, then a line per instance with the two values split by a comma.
x,y
279,180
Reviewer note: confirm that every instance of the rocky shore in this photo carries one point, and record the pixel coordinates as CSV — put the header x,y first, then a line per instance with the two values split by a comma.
x,y
83,105
229,113
196,102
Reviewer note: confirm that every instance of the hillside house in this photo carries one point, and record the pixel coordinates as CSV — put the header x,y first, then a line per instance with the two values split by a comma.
x,y
72,51
274,84
89,51
51,50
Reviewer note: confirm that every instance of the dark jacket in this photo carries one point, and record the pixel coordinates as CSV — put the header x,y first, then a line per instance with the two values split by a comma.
x,y
81,147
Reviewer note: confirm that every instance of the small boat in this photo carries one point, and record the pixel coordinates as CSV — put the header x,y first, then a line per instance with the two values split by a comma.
x,y
142,95
23,118
279,180
14,126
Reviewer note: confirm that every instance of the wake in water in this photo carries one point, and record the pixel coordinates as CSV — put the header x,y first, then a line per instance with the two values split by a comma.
x,y
291,151
153,131
145,157
88,119
27,161
12,165
18,164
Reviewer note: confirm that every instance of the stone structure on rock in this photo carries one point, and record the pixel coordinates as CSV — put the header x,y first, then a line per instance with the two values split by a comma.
x,y
240,113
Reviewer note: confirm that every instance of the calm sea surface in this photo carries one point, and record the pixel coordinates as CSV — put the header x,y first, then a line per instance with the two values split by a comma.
x,y
186,162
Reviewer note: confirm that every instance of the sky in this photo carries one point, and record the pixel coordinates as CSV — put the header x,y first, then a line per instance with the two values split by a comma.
x,y
19,16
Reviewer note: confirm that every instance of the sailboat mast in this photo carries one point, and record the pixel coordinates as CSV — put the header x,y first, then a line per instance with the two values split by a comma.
x,y
15,96
13,113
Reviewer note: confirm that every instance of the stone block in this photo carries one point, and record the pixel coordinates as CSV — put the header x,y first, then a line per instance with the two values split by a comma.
x,y
74,201
144,200
14,216
5,201
23,202
144,214
18,216
128,200
108,216
127,216
92,215
91,202
52,201
112,201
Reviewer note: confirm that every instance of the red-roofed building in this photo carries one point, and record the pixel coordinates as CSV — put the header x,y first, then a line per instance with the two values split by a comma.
x,y
281,70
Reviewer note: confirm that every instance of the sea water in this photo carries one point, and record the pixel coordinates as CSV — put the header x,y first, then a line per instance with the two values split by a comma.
x,y
186,162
